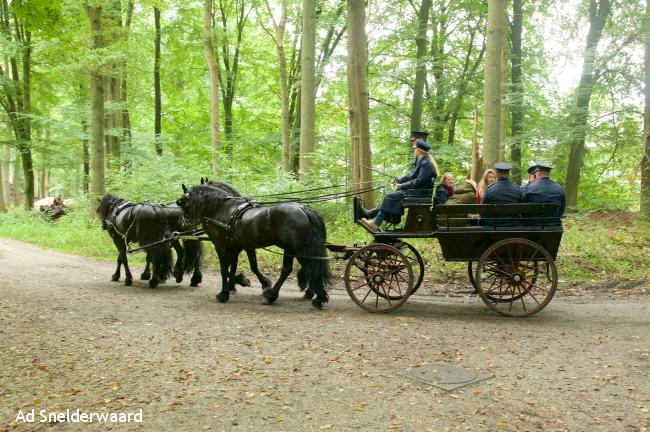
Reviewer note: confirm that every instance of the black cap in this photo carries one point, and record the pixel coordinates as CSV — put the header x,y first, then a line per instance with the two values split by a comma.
x,y
502,166
532,168
544,166
419,135
422,145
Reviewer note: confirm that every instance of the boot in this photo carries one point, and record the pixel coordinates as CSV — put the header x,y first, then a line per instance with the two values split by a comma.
x,y
369,214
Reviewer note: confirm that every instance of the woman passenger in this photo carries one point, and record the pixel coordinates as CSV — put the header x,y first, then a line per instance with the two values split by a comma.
x,y
489,177
445,189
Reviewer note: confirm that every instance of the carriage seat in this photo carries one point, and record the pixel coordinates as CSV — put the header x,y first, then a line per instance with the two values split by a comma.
x,y
499,217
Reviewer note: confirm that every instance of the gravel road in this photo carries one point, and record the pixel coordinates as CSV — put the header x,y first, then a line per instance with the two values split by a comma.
x,y
72,339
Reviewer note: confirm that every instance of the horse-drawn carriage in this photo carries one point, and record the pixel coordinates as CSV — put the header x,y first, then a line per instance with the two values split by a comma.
x,y
510,250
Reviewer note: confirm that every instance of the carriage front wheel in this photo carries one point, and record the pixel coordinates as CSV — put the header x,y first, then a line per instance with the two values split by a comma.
x,y
516,277
379,278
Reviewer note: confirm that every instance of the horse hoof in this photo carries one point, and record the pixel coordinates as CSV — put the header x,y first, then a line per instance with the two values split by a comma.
x,y
115,278
242,280
145,276
232,289
223,297
308,295
127,282
195,281
266,284
179,279
269,296
317,304
153,283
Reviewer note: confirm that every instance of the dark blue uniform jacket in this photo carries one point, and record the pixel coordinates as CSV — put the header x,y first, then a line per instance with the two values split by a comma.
x,y
502,191
419,182
546,190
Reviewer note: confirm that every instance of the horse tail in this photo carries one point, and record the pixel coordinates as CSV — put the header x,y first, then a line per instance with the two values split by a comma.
x,y
193,255
317,270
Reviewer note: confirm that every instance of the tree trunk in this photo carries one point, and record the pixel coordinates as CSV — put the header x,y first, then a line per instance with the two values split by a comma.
x,y
421,43
358,99
156,84
438,55
307,84
6,163
97,181
492,84
294,105
598,13
126,118
278,38
3,205
517,96
645,161
213,68
15,180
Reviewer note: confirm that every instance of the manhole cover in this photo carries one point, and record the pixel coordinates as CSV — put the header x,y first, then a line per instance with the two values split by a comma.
x,y
445,376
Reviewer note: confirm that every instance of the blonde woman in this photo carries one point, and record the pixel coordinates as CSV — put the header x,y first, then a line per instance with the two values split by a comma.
x,y
489,177
445,189
419,183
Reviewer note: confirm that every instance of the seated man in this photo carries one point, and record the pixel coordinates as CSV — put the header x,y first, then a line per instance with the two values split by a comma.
x,y
544,190
419,182
502,191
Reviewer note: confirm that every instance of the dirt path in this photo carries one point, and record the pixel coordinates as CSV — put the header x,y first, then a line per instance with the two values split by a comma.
x,y
71,339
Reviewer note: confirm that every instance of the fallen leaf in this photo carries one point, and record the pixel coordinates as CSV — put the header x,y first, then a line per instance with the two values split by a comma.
x,y
326,426
279,420
502,424
359,408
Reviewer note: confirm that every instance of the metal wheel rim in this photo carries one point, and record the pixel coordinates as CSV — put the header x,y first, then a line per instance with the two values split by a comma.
x,y
414,258
509,282
371,263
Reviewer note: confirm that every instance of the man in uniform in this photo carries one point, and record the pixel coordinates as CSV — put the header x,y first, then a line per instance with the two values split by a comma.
x,y
545,190
502,191
532,171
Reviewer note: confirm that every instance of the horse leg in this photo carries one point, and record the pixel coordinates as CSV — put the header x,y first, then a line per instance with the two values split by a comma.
x,y
225,277
146,274
316,274
197,276
303,283
128,277
271,294
233,268
116,276
178,267
252,259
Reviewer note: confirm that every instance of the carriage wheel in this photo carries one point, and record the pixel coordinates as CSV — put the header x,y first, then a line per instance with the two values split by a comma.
x,y
516,277
417,263
470,273
379,278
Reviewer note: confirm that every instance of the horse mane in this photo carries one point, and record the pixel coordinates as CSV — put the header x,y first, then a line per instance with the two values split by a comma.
x,y
225,187
105,204
205,198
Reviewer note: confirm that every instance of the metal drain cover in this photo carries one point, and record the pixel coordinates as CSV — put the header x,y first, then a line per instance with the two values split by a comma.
x,y
445,376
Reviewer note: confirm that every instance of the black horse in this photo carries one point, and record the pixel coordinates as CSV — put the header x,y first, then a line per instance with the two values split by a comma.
x,y
143,223
250,253
189,252
234,225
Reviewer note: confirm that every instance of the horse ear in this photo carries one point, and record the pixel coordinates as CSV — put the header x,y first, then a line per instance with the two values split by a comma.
x,y
201,180
184,187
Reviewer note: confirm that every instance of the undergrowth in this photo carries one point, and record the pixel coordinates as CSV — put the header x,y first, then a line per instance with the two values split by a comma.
x,y
596,245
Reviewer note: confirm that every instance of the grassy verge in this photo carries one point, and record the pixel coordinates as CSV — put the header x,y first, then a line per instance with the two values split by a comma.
x,y
596,246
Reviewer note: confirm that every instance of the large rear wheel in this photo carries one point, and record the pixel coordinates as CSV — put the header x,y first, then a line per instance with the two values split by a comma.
x,y
516,277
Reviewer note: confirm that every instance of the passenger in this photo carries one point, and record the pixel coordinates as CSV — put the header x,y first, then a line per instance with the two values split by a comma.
x,y
445,189
532,171
465,194
545,190
503,191
419,183
489,177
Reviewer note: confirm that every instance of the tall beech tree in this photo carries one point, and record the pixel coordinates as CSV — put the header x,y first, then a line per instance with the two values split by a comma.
x,y
645,159
97,173
213,68
421,57
516,92
598,12
358,99
156,81
307,84
493,81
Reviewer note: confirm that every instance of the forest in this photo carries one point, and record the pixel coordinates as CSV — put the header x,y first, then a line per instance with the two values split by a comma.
x,y
137,97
